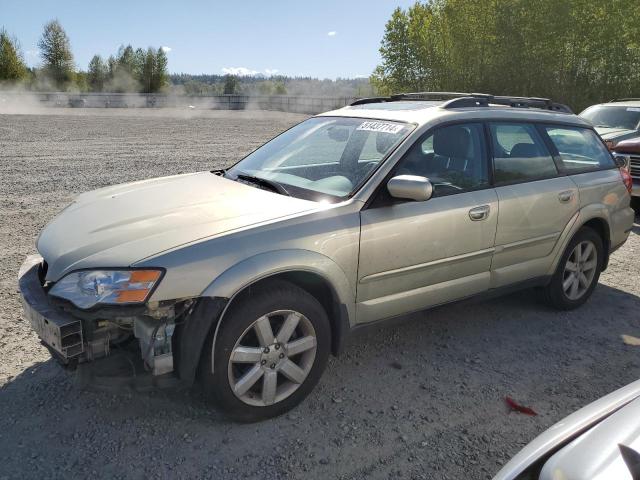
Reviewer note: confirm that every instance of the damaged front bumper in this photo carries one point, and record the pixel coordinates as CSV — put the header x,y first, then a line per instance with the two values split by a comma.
x,y
76,336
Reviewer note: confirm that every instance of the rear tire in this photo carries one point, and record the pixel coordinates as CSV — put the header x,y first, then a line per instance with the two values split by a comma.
x,y
578,271
270,352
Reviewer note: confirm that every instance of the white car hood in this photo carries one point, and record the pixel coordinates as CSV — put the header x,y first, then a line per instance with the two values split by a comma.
x,y
117,226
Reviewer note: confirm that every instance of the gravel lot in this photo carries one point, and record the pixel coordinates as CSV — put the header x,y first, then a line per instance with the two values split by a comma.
x,y
419,399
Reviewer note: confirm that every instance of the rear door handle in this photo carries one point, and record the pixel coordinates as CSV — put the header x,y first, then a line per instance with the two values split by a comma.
x,y
566,196
479,213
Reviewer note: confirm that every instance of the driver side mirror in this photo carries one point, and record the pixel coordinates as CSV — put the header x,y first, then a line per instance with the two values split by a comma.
x,y
410,187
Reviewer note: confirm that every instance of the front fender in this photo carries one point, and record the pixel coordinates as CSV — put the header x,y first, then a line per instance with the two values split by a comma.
x,y
263,265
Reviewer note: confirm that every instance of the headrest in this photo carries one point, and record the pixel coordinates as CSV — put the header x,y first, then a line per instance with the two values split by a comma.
x,y
452,142
524,150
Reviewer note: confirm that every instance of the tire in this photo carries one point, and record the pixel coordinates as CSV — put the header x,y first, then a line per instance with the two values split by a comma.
x,y
561,292
259,354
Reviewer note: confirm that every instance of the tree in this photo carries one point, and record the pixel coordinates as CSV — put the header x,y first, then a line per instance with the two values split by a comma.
x,y
231,85
97,74
55,51
12,67
579,52
160,74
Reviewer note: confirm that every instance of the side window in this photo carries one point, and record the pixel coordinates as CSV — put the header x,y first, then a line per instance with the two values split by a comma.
x,y
519,154
452,158
580,149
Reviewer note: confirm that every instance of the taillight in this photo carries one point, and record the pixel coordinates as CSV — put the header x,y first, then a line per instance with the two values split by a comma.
x,y
626,178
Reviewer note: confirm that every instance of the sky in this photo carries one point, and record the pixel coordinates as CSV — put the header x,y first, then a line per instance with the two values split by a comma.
x,y
324,39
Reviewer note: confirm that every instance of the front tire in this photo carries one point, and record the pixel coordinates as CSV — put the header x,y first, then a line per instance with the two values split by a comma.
x,y
271,350
578,271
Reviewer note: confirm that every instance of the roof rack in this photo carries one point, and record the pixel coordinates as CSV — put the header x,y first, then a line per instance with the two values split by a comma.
x,y
466,100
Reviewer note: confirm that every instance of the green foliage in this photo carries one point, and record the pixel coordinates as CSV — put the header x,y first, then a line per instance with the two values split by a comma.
x,y
136,70
575,51
231,85
57,58
12,67
97,74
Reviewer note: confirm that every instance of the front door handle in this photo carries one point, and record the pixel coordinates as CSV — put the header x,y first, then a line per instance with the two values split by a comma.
x,y
479,213
566,196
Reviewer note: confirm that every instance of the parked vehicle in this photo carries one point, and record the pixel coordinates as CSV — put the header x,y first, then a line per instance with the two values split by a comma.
x,y
391,205
599,441
629,151
616,120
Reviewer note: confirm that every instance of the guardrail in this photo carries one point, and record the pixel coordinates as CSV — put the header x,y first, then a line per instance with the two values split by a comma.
x,y
284,103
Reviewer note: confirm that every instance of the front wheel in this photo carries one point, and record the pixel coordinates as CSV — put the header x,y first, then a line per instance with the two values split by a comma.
x,y
269,354
578,271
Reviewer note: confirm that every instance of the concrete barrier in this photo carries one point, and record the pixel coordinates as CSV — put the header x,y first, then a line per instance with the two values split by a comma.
x,y
283,103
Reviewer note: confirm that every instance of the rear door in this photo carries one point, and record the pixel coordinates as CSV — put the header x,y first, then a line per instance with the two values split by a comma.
x,y
536,202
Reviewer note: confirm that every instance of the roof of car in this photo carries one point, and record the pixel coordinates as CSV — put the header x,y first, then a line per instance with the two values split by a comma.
x,y
623,102
422,112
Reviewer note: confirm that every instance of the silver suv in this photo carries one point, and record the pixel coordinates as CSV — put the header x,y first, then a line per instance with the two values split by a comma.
x,y
248,278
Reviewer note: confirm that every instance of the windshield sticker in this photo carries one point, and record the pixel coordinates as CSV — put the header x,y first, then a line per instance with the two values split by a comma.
x,y
633,109
383,127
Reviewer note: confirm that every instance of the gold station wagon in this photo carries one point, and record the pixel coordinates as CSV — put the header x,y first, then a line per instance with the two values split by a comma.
x,y
246,279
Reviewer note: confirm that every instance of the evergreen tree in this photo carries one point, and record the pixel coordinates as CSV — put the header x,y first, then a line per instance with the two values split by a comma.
x,y
12,67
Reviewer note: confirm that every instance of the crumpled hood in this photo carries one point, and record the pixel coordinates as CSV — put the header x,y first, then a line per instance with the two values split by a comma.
x,y
611,133
117,226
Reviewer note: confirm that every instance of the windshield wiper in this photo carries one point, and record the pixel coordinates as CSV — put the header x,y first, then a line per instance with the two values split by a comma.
x,y
263,182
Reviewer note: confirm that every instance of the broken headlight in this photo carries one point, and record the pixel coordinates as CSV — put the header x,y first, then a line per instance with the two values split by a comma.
x,y
86,288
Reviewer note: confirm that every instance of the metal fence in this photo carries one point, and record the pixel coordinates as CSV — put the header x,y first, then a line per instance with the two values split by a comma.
x,y
284,103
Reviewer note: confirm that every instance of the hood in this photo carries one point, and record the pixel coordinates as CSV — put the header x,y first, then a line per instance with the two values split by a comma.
x,y
609,450
631,145
614,133
117,226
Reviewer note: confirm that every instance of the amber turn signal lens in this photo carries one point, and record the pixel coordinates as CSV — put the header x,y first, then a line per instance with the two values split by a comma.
x,y
143,276
128,296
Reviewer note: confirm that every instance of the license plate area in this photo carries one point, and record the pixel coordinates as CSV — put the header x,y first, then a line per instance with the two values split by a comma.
x,y
61,334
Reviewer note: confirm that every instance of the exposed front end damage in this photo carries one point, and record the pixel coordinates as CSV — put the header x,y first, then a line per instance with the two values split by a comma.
x,y
152,330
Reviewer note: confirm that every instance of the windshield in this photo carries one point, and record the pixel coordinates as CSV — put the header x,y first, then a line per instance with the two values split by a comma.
x,y
322,156
613,117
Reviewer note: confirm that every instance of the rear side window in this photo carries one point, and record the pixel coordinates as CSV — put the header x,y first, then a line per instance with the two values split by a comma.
x,y
519,154
580,149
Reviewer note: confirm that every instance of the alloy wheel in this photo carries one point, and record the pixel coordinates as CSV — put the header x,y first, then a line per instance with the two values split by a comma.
x,y
265,368
579,270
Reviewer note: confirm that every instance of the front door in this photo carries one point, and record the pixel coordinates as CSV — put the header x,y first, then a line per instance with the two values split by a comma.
x,y
419,254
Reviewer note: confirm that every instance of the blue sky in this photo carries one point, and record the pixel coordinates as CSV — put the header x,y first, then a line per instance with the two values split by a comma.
x,y
326,39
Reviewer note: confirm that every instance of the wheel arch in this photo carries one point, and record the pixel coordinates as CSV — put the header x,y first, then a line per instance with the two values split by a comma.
x,y
315,273
593,216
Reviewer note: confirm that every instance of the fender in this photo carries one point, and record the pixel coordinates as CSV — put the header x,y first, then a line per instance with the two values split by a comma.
x,y
589,212
247,272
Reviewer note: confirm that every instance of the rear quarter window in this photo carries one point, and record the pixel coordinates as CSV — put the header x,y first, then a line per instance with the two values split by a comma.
x,y
580,149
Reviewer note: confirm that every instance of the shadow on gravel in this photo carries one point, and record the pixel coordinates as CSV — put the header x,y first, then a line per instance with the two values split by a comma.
x,y
423,397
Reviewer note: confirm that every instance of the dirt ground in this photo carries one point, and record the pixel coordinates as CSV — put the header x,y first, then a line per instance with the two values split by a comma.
x,y
419,399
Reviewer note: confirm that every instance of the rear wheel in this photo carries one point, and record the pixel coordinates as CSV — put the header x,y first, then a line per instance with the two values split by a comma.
x,y
270,352
578,271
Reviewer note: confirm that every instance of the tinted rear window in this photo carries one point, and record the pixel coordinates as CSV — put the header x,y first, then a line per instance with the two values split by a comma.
x,y
580,149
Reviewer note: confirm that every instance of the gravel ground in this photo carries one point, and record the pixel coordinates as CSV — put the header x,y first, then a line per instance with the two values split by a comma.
x,y
420,399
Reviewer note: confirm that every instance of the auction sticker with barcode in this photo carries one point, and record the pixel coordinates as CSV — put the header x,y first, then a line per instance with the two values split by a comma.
x,y
384,127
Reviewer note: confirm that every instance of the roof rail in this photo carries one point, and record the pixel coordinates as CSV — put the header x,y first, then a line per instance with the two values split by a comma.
x,y
624,100
466,100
